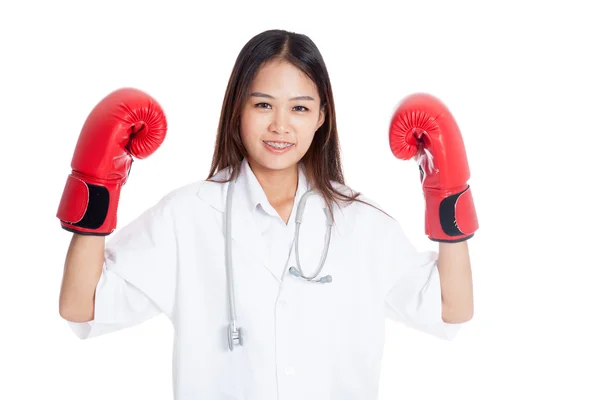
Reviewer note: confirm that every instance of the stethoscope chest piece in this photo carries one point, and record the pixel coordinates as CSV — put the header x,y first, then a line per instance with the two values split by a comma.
x,y
235,336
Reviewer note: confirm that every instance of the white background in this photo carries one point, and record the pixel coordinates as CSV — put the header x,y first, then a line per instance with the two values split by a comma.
x,y
521,77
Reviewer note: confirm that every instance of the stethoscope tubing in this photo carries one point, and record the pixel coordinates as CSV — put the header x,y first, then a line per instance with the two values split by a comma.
x,y
235,333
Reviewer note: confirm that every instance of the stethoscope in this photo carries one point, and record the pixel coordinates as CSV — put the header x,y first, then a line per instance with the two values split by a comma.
x,y
235,334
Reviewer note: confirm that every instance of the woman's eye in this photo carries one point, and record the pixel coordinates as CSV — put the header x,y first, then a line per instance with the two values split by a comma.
x,y
267,105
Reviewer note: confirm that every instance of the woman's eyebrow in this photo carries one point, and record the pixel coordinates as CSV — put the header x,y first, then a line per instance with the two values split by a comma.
x,y
268,96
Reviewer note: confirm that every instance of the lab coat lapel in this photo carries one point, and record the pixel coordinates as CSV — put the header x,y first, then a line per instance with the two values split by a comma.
x,y
245,234
247,242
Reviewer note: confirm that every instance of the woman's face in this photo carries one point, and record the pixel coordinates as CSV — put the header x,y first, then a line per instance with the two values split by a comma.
x,y
283,106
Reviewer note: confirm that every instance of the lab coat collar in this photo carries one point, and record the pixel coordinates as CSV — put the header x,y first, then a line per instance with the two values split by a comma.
x,y
254,193
215,193
248,193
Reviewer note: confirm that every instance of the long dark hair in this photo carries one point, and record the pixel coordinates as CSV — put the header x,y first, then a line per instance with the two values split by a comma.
x,y
322,160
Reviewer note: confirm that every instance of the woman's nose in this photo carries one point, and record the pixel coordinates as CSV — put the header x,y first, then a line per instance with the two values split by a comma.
x,y
280,122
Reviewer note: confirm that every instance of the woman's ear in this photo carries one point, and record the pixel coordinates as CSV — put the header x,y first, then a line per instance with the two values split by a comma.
x,y
322,113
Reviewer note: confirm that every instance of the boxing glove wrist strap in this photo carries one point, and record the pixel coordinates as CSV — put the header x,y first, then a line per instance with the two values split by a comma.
x,y
450,214
88,205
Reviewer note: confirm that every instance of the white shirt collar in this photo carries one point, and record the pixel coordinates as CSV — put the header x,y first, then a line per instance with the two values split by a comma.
x,y
254,193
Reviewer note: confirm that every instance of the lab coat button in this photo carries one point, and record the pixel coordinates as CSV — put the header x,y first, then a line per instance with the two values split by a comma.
x,y
289,371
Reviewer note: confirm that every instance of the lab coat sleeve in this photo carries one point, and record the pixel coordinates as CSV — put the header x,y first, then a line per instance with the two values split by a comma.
x,y
413,293
138,276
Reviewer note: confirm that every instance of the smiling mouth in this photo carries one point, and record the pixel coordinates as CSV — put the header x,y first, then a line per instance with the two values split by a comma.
x,y
278,145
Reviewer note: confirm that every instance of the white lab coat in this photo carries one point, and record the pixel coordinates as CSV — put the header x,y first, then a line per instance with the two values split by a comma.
x,y
302,340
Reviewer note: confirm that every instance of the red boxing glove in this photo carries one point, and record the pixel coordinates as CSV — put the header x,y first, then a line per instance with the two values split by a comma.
x,y
125,124
423,128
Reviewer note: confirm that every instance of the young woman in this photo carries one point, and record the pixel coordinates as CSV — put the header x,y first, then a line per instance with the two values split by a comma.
x,y
276,276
